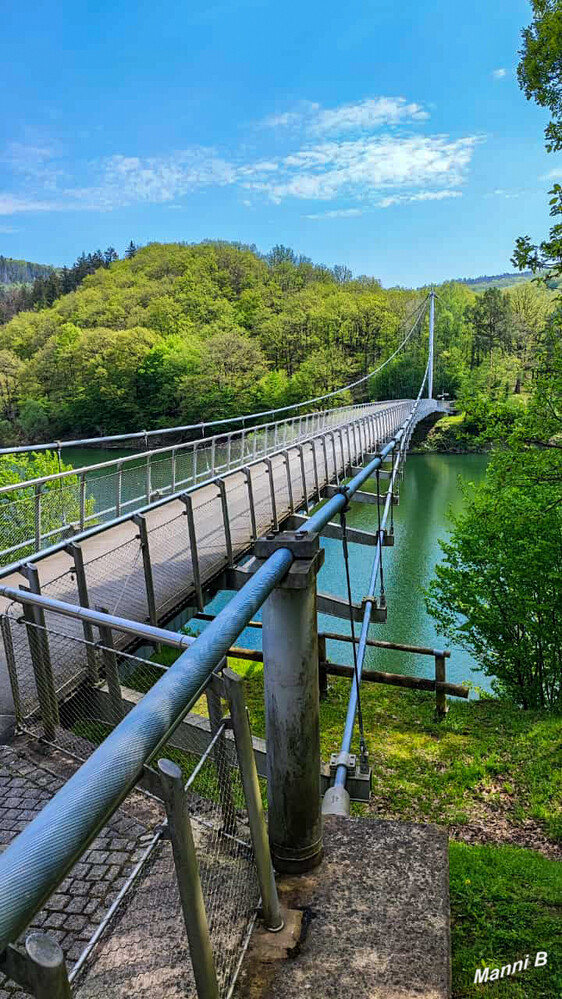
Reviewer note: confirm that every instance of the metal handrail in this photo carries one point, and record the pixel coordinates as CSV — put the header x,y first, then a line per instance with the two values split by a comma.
x,y
188,445
145,508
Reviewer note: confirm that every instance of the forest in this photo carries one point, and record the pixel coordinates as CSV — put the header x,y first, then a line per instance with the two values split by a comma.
x,y
178,333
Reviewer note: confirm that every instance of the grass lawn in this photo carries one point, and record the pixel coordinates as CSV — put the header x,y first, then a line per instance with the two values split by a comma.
x,y
492,774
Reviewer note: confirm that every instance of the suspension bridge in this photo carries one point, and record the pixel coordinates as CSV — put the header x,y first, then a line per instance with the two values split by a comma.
x,y
140,862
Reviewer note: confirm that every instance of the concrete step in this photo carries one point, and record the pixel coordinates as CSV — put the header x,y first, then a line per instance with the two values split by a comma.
x,y
376,917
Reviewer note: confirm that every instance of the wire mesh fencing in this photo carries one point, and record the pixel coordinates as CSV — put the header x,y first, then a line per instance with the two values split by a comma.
x,y
118,915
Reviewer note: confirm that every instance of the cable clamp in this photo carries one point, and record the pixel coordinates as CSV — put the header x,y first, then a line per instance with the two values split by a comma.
x,y
343,491
347,760
369,599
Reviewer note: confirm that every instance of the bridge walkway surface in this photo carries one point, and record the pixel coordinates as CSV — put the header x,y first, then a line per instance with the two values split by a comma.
x,y
228,513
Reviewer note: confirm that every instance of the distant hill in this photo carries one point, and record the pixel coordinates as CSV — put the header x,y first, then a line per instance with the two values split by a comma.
x,y
495,280
21,271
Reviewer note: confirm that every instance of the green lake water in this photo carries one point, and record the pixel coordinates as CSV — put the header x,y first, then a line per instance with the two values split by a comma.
x,y
430,488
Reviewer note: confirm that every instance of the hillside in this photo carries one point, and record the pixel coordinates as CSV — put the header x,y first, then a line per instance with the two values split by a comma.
x,y
21,271
506,280
180,333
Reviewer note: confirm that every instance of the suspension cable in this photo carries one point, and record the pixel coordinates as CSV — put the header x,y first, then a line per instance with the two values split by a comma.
x,y
418,312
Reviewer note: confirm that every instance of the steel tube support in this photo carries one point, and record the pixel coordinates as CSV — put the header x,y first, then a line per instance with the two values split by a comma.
x,y
140,522
431,343
77,555
112,677
189,882
234,689
52,842
292,708
47,972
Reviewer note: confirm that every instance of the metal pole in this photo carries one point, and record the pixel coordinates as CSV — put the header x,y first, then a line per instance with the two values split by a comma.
x,y
82,500
193,550
37,518
189,882
140,521
289,481
269,467
253,526
226,520
78,556
431,343
234,690
111,671
290,654
6,628
148,477
46,968
119,484
39,646
303,477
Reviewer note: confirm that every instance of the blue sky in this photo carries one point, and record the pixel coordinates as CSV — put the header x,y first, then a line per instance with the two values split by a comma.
x,y
389,137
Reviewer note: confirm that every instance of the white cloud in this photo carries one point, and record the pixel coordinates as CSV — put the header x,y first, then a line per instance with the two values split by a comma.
x,y
500,73
363,167
336,213
555,174
12,204
350,152
367,115
398,199
358,116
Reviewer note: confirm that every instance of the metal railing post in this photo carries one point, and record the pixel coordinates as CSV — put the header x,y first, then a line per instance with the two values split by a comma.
x,y
325,453
6,628
226,521
189,882
289,481
37,517
77,555
112,677
47,972
148,479
336,475
193,550
292,722
119,493
173,464
253,525
303,476
82,500
234,690
140,521
269,467
40,655
315,469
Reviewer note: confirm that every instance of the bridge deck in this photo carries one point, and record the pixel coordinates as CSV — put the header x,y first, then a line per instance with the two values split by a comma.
x,y
113,556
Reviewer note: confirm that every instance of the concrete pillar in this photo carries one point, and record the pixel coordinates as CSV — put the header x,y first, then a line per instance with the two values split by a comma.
x,y
290,653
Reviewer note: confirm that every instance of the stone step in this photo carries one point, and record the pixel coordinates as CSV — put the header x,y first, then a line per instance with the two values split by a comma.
x,y
376,917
